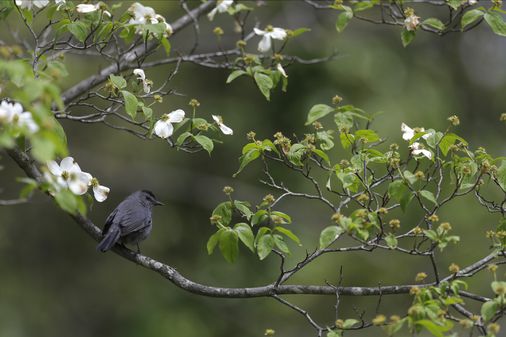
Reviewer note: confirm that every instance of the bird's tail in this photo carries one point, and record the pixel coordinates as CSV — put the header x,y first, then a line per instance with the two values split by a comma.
x,y
109,239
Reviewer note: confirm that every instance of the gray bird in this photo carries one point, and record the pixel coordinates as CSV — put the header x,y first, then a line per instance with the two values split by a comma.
x,y
130,222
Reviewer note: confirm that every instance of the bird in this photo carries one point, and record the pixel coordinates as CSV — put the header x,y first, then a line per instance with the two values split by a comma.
x,y
130,222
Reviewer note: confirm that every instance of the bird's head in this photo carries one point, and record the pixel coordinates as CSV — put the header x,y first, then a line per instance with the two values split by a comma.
x,y
148,198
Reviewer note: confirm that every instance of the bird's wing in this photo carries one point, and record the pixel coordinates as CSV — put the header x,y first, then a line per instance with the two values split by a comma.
x,y
132,219
109,221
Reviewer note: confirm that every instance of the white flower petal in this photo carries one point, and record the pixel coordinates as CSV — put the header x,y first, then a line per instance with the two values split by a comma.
x,y
86,177
86,8
278,33
259,31
176,116
280,68
212,13
407,132
146,87
67,164
40,3
225,129
54,168
100,192
163,129
140,74
78,183
217,119
265,44
426,153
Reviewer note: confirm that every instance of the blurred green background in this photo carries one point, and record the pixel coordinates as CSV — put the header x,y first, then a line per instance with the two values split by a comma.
x,y
54,283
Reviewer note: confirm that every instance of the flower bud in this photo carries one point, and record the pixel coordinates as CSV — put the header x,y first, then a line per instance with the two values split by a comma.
x,y
419,175
417,230
454,268
215,219
336,99
466,323
503,117
414,291
339,323
268,199
194,103
395,224
492,267
336,217
218,31
379,320
269,332
454,120
317,125
363,197
228,190
158,98
445,226
383,211
493,328
433,218
240,44
251,135
420,277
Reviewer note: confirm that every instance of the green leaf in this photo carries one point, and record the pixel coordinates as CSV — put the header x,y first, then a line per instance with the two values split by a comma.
x,y
288,233
407,36
326,139
245,234
285,217
410,177
265,245
206,142
455,4
488,310
229,245
148,112
318,111
391,241
299,31
322,155
471,16
67,201
235,74
436,330
182,137
247,158
243,207
334,333
362,6
295,154
130,103
501,175
448,140
213,241
329,235
400,192
369,136
429,196
282,246
349,323
166,45
79,29
118,81
434,23
224,210
259,217
343,18
496,22
264,83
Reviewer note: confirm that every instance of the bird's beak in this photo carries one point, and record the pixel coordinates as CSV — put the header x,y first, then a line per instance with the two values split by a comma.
x,y
159,203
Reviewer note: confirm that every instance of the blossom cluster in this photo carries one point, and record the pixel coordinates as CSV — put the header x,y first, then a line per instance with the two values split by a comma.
x,y
12,114
69,175
416,148
143,15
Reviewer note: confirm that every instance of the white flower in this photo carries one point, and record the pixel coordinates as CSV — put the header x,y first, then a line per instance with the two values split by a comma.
x,y
411,22
69,174
12,113
417,149
164,128
99,192
143,15
142,76
29,3
280,68
221,7
225,129
267,35
408,133
89,8
472,2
